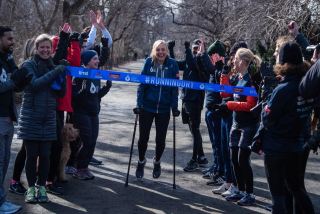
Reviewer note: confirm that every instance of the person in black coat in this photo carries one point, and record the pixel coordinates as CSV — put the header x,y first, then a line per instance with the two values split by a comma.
x,y
37,122
196,66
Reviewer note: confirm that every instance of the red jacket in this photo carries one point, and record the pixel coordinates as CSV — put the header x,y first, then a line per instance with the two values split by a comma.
x,y
244,105
65,103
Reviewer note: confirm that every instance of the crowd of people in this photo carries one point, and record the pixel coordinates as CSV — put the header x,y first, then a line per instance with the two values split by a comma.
x,y
277,123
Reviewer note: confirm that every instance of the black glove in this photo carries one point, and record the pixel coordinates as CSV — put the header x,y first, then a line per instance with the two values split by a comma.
x,y
171,44
108,84
137,110
104,42
187,44
74,36
60,69
21,78
226,69
83,36
212,106
256,147
175,112
222,107
313,142
64,62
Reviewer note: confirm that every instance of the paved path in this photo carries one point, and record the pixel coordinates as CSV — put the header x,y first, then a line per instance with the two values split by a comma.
x,y
107,194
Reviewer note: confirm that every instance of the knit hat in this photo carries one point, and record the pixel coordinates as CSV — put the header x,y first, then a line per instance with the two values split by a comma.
x,y
236,46
87,55
217,47
290,52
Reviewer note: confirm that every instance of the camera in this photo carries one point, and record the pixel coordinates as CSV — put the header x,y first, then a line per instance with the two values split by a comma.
x,y
311,48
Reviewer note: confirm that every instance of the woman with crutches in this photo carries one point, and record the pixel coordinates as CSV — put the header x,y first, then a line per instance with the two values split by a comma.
x,y
154,103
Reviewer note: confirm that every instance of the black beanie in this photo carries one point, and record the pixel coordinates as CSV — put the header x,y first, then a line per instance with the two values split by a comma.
x,y
290,52
236,46
87,55
217,47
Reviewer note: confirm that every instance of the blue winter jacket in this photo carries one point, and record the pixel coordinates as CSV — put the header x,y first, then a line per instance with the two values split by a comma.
x,y
156,98
286,119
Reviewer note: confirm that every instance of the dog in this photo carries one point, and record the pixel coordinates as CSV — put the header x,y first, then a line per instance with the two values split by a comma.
x,y
68,135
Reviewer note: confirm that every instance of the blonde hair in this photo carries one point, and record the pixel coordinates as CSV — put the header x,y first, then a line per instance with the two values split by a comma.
x,y
154,48
42,38
247,56
283,39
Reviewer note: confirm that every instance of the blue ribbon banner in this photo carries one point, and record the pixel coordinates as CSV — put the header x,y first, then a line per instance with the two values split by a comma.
x,y
81,72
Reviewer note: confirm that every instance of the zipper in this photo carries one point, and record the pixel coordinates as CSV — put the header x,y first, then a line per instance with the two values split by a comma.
x,y
161,74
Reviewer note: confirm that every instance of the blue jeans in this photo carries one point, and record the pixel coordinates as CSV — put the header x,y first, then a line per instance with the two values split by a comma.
x,y
6,135
213,121
226,123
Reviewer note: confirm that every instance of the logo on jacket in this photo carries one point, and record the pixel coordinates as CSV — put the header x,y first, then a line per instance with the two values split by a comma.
x,y
93,89
3,76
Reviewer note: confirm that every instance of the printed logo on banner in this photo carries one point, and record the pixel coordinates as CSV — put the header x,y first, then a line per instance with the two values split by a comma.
x,y
237,90
221,88
127,78
114,76
201,86
98,75
84,72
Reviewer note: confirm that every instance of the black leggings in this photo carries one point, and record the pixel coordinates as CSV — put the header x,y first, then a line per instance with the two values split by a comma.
x,y
285,171
35,150
242,168
192,115
145,123
19,163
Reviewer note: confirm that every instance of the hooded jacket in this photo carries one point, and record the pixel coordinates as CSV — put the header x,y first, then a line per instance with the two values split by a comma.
x,y
157,98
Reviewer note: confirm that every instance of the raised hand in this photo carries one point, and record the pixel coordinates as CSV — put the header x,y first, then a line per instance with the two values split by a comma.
x,y
66,28
93,18
100,20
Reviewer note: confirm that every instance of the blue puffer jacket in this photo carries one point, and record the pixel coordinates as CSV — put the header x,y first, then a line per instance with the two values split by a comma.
x,y
156,98
286,119
37,119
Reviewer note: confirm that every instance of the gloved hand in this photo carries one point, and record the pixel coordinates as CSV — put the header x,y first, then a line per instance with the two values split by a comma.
x,y
256,147
222,107
313,142
64,62
108,84
187,44
74,36
60,69
171,44
226,69
137,110
212,106
175,112
104,42
21,78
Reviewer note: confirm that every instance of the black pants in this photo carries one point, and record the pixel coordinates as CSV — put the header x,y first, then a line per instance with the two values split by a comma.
x,y
89,129
19,163
191,113
56,149
242,169
37,173
284,171
145,123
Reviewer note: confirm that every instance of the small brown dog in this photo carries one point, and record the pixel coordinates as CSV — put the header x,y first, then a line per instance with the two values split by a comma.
x,y
68,134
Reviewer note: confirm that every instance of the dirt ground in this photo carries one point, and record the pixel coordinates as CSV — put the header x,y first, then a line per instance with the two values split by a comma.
x,y
107,193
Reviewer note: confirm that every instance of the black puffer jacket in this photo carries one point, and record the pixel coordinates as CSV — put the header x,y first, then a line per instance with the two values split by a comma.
x,y
37,119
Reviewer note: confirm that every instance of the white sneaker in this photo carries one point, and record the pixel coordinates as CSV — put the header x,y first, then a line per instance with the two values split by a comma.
x,y
232,189
9,208
224,187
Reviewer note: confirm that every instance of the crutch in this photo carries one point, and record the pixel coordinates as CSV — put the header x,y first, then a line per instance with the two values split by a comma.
x,y
131,150
174,153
